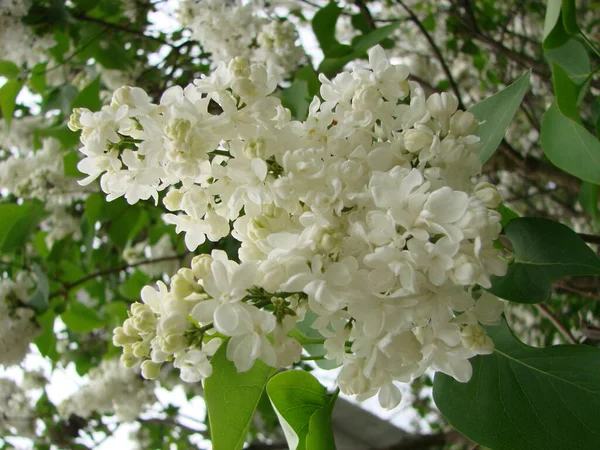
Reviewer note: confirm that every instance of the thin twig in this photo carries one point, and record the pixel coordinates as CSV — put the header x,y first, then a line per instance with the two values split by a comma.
x,y
115,26
436,50
566,287
544,311
591,238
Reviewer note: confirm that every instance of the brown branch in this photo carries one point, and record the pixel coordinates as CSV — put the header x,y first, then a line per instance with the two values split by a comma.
x,y
124,29
425,441
545,311
566,287
436,51
590,238
68,286
364,10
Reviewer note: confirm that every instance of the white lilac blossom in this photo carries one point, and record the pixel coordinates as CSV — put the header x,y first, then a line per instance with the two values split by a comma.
x,y
16,409
17,322
18,42
367,214
40,175
111,389
232,29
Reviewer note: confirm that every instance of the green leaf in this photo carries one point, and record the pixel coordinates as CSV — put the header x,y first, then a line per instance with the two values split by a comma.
x,y
308,333
570,146
544,252
331,65
8,99
496,113
38,78
133,285
46,342
299,95
60,98
81,319
128,225
9,69
566,92
39,298
89,97
552,16
525,398
17,222
67,138
323,25
507,215
304,409
557,36
231,399
573,58
94,206
588,199
569,16
70,161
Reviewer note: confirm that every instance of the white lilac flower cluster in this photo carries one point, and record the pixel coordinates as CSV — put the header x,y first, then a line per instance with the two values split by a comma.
x,y
18,43
365,214
112,389
17,324
40,175
17,413
229,29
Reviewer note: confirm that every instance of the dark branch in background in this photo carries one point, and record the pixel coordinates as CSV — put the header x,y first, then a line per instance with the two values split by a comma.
x,y
591,238
427,441
545,311
124,29
364,10
436,50
566,287
68,286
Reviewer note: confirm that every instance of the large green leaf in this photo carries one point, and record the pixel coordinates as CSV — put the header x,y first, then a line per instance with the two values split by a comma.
x,y
555,34
81,319
231,399
304,409
8,99
17,222
566,92
573,58
323,25
9,69
570,146
331,65
496,113
569,16
89,96
544,252
298,96
311,341
39,298
525,398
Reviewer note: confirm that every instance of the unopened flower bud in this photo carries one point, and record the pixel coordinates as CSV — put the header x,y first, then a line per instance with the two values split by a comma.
x,y
141,349
173,200
488,194
121,339
201,266
442,106
150,370
417,140
74,121
130,328
128,359
463,123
